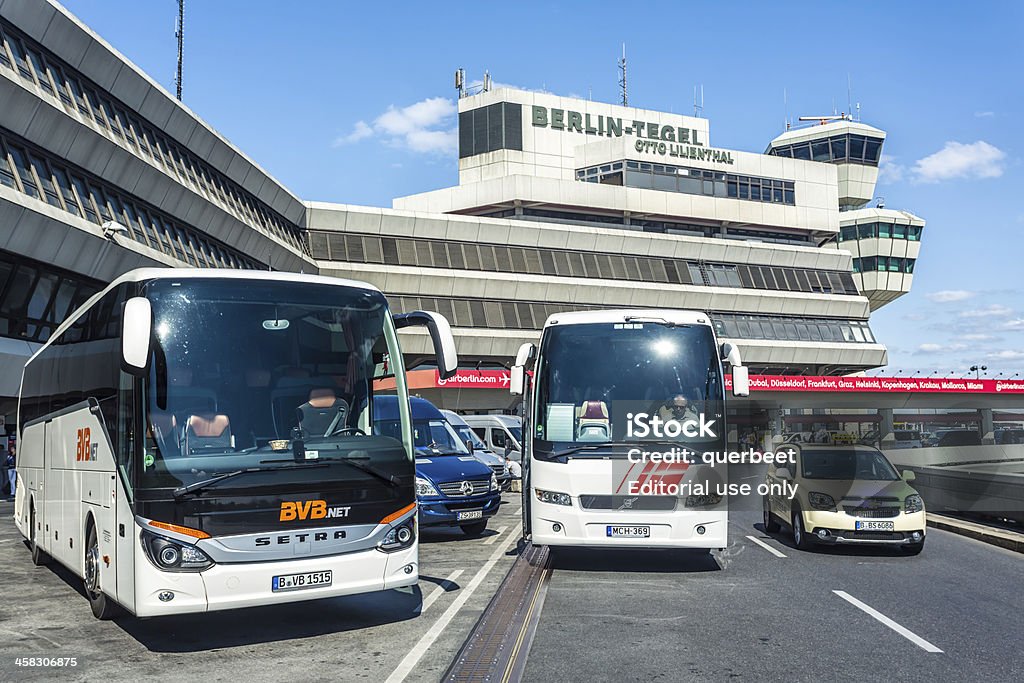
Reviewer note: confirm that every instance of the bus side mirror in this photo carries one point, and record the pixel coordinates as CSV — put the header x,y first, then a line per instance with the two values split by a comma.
x,y
440,334
517,380
136,335
740,374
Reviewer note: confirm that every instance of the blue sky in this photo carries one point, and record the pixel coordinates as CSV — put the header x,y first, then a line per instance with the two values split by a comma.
x,y
354,103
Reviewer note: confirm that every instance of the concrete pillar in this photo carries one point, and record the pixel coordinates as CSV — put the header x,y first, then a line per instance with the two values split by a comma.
x,y
886,437
987,430
773,436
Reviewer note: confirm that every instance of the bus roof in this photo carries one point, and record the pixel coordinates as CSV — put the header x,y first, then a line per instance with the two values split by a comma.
x,y
678,316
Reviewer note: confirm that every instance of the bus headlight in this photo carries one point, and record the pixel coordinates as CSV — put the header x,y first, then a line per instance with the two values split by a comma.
x,y
424,488
553,497
821,501
913,503
168,555
399,537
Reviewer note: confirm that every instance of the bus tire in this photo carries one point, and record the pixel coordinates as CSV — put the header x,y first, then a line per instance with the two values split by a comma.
x,y
474,529
39,558
102,606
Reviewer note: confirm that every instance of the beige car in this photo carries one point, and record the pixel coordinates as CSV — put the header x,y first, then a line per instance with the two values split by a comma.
x,y
844,494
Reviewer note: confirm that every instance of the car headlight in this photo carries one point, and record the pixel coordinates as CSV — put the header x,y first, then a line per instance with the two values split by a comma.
x,y
494,482
553,497
424,488
172,556
821,501
913,503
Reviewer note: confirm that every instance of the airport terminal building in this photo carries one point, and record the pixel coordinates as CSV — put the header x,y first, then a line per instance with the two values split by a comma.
x,y
562,204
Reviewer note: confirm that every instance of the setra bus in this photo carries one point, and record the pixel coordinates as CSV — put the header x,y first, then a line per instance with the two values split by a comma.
x,y
195,440
598,468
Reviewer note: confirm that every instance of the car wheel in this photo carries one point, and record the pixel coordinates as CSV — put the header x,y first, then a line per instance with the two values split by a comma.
x,y
474,529
39,558
801,539
771,525
912,548
102,606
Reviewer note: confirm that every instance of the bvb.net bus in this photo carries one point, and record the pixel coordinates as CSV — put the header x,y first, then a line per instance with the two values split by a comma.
x,y
194,440
599,379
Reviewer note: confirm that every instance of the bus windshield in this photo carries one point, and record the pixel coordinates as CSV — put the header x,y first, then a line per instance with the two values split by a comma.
x,y
590,376
253,373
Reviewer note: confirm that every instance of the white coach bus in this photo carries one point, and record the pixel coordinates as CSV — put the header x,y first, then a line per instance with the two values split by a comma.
x,y
194,440
597,471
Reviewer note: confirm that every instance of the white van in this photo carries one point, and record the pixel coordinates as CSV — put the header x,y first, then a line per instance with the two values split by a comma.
x,y
501,433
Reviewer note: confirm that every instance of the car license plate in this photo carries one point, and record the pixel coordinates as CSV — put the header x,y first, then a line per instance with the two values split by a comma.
x,y
469,514
629,531
294,582
874,526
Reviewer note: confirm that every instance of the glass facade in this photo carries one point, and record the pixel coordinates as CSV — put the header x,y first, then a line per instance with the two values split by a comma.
x,y
487,129
78,96
35,298
519,315
396,251
896,231
835,149
698,181
889,264
68,188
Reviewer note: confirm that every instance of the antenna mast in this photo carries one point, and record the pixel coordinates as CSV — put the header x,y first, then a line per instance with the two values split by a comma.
x,y
622,77
698,109
179,33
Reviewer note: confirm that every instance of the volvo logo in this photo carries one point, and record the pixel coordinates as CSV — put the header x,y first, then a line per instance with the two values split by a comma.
x,y
467,488
627,503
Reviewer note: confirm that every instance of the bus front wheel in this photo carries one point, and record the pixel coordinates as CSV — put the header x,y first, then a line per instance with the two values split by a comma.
x,y
39,557
102,606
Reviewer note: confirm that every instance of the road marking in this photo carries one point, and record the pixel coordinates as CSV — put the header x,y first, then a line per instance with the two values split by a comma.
x,y
498,532
906,633
767,547
416,653
441,588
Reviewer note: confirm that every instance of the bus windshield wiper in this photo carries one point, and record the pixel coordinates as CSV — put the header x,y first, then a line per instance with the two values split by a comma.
x,y
591,447
199,485
357,462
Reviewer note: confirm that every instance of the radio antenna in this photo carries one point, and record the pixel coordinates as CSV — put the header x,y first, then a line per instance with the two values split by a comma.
x,y
698,109
622,77
179,33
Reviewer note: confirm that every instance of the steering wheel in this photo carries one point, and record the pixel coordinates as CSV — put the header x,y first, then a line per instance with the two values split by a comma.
x,y
343,430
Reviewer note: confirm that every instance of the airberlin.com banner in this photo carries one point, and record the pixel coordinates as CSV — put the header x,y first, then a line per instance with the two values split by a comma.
x,y
882,384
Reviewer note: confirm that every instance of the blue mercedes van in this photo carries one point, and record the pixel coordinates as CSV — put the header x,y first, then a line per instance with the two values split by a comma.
x,y
453,487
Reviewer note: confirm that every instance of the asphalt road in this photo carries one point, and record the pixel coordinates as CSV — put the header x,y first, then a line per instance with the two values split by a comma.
x,y
368,637
747,614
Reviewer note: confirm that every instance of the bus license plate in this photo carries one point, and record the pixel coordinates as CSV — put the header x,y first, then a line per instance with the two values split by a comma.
x,y
469,514
629,531
294,582
874,526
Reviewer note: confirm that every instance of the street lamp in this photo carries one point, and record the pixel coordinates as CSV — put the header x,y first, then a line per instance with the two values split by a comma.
x,y
977,370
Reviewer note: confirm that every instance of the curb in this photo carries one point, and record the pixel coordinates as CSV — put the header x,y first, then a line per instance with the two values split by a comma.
x,y
1003,538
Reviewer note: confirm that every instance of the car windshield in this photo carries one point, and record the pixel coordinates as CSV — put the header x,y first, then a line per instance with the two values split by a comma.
x,y
517,434
847,465
466,433
245,371
591,377
430,437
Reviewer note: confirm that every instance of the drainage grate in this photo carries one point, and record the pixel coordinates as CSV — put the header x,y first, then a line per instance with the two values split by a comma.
x,y
498,645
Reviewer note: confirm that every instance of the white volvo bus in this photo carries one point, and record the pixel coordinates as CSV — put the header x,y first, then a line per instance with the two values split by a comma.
x,y
194,440
599,470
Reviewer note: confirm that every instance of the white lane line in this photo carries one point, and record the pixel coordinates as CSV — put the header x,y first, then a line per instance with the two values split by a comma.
x,y
439,590
767,547
494,537
416,653
905,632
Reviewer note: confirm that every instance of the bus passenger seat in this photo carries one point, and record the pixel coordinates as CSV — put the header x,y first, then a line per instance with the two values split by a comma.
x,y
593,423
207,433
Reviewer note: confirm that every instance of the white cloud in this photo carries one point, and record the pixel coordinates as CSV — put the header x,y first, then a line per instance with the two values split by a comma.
x,y
992,310
1007,354
930,348
984,114
958,160
889,170
976,337
360,131
1016,324
948,295
424,126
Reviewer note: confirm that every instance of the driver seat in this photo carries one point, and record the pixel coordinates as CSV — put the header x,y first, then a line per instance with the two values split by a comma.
x,y
592,421
209,432
324,411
